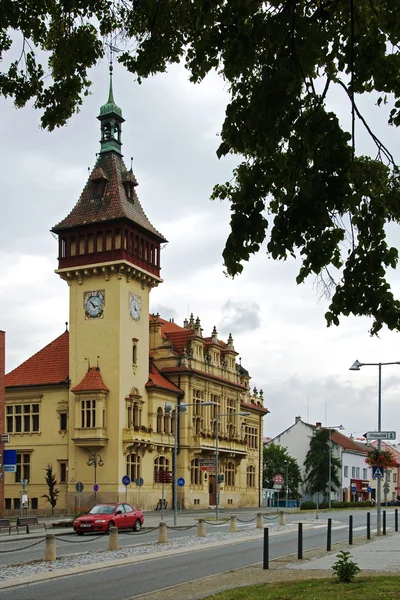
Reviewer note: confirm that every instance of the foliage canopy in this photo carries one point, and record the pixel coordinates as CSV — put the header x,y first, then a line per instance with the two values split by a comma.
x,y
317,464
275,461
302,186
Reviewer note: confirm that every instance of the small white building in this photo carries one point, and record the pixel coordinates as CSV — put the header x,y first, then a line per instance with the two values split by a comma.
x,y
354,474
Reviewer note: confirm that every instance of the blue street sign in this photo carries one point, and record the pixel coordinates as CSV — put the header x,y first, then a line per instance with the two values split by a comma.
x,y
95,487
10,461
378,472
181,482
353,489
126,480
369,489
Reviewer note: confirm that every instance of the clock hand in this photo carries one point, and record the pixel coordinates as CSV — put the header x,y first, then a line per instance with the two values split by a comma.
x,y
92,303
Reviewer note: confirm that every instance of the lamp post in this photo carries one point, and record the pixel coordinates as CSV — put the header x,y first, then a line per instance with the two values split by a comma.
x,y
287,483
356,367
95,460
217,416
179,408
340,427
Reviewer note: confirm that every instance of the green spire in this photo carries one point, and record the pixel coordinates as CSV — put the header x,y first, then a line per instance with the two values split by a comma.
x,y
111,120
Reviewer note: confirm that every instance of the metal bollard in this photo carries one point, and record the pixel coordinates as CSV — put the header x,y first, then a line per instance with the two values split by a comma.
x,y
266,549
162,533
329,536
384,522
50,547
282,518
396,519
233,524
260,523
201,528
300,542
368,525
113,542
350,530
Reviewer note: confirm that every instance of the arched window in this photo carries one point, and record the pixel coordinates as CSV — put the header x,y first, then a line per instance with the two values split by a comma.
x,y
161,463
160,420
230,473
173,422
197,425
251,477
167,423
195,472
133,466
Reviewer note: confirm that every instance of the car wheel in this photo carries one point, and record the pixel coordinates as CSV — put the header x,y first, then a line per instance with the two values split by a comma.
x,y
111,524
137,525
79,532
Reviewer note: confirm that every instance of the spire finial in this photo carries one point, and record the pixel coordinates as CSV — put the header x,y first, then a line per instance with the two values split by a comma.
x,y
110,93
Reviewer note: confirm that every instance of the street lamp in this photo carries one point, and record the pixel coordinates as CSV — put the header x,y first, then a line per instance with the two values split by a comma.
x,y
356,367
179,408
217,416
95,461
340,428
287,482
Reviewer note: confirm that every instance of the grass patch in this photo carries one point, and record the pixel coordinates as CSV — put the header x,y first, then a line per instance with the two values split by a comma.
x,y
378,588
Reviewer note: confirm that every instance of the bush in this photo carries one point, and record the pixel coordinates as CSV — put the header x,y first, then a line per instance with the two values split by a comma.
x,y
62,524
308,506
344,568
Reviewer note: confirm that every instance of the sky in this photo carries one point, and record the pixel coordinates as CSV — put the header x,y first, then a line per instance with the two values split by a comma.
x,y
172,132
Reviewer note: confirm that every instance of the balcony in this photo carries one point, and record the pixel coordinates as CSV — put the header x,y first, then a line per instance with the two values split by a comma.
x,y
225,446
85,437
146,438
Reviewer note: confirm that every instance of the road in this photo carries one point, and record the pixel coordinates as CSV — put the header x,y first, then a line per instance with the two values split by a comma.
x,y
127,582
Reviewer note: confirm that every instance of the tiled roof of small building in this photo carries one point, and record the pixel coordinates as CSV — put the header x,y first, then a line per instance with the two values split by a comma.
x,y
48,366
91,382
114,204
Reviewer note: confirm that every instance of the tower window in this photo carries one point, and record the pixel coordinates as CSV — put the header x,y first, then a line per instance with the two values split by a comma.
x,y
63,421
88,413
134,351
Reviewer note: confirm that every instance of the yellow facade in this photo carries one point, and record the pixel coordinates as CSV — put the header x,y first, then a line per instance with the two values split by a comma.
x,y
120,426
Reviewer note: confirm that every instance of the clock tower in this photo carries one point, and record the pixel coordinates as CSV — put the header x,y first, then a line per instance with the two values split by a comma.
x,y
109,254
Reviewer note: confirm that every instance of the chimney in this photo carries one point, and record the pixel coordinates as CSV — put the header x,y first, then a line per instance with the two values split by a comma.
x,y
318,425
297,419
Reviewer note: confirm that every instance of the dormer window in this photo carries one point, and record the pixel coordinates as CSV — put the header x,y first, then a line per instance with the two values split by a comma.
x,y
98,180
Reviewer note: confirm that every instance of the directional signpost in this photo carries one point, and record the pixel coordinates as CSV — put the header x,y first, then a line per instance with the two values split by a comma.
x,y
126,481
380,435
79,488
207,464
278,481
139,482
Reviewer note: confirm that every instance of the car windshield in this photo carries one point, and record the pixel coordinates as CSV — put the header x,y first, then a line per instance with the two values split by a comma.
x,y
102,509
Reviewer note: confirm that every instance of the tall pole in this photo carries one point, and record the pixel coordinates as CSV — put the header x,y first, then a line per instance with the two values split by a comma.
x,y
378,500
287,484
95,477
330,470
216,471
175,459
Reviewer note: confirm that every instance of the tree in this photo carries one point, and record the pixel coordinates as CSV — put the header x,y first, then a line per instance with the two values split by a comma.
x,y
301,179
316,464
275,461
51,482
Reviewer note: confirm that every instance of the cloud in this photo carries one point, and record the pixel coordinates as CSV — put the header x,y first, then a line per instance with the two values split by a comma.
x,y
240,317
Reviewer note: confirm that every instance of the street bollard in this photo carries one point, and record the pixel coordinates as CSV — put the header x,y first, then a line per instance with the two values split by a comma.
x,y
260,524
384,522
282,518
350,530
50,547
201,528
396,519
162,533
329,536
113,542
368,525
233,524
300,542
266,549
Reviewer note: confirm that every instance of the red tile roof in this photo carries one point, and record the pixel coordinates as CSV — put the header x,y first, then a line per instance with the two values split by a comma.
x,y
114,203
91,382
253,406
46,367
346,443
159,381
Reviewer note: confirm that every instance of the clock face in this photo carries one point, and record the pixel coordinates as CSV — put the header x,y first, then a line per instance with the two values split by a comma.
x,y
135,306
94,304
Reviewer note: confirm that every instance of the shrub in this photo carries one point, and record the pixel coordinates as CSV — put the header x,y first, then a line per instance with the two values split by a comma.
x,y
62,524
308,506
344,568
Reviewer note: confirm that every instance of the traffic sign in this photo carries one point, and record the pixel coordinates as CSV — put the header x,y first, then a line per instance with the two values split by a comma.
x,y
126,480
79,486
353,489
378,472
380,435
5,438
139,481
278,478
277,486
181,482
369,489
95,487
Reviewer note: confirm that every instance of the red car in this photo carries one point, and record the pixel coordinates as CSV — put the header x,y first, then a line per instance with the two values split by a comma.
x,y
103,516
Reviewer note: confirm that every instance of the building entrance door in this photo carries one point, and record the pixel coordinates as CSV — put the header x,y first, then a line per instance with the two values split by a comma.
x,y
212,497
